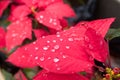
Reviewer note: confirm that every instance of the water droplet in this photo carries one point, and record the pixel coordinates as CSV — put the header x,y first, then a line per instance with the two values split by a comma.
x,y
56,60
14,35
43,36
23,56
67,47
101,42
58,35
50,21
53,50
17,22
45,48
56,47
54,41
36,57
58,68
70,39
42,59
49,57
25,49
34,42
48,41
36,48
64,56
54,23
41,16
61,39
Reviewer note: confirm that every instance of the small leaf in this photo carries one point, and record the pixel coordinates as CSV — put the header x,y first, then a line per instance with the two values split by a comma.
x,y
17,32
30,73
112,33
8,76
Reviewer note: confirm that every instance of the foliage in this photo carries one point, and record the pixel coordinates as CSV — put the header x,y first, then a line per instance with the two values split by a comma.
x,y
39,44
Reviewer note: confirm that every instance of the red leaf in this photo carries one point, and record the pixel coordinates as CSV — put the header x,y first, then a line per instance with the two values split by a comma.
x,y
64,22
17,32
20,76
29,3
22,58
45,3
101,26
40,32
61,10
45,75
96,45
3,5
48,20
19,12
2,37
61,53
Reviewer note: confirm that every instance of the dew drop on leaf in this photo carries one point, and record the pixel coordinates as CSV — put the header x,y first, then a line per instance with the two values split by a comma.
x,y
67,47
36,48
58,68
56,60
45,48
42,59
70,39
56,47
36,57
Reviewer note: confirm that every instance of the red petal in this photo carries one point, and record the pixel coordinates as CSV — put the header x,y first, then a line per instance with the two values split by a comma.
x,y
2,37
49,20
20,76
96,45
61,10
19,12
64,22
18,1
22,58
44,75
101,26
45,3
29,3
17,32
3,5
61,53
40,32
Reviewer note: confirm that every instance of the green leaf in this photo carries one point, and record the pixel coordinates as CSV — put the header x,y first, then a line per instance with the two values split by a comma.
x,y
112,33
30,73
4,23
7,75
